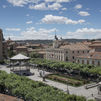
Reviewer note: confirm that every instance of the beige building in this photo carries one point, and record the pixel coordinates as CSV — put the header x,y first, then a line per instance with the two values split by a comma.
x,y
3,48
65,52
22,49
93,57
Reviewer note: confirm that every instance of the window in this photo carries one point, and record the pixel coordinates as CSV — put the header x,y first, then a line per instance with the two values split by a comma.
x,y
93,62
72,51
73,57
88,51
82,61
66,58
98,63
66,51
87,61
83,52
78,51
78,61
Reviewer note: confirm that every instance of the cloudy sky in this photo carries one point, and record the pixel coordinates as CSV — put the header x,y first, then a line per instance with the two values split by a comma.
x,y
41,19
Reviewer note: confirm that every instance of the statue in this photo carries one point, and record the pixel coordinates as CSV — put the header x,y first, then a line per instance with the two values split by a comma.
x,y
56,38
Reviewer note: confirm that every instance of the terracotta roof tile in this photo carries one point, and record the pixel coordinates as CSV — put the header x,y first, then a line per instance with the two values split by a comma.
x,y
78,46
4,97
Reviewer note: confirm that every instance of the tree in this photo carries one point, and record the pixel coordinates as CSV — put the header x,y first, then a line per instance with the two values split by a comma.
x,y
35,55
11,53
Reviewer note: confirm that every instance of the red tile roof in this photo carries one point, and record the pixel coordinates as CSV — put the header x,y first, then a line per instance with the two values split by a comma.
x,y
21,47
4,97
78,46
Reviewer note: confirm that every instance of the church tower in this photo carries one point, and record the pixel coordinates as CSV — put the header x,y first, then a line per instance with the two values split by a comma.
x,y
56,42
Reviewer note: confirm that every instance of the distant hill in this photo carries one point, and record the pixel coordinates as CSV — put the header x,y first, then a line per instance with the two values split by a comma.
x,y
50,41
35,41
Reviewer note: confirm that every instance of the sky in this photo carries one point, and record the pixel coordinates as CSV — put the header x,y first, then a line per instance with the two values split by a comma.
x,y
42,19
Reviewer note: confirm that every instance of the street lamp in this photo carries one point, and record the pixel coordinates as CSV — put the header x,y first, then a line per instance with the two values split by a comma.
x,y
67,88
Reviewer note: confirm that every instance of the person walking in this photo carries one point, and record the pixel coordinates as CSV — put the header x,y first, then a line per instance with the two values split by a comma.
x,y
43,75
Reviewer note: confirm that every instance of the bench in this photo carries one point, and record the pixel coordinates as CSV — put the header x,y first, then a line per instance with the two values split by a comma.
x,y
91,85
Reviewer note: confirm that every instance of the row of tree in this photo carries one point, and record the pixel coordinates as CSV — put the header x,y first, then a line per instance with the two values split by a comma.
x,y
70,68
29,90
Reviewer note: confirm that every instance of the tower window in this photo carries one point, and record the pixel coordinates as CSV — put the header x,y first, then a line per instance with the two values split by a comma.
x,y
66,58
73,57
72,51
66,51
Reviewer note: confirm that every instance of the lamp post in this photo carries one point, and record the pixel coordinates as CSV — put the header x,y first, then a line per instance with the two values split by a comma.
x,y
67,88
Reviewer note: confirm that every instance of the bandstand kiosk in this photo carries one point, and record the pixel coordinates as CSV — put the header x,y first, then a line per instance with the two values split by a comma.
x,y
20,64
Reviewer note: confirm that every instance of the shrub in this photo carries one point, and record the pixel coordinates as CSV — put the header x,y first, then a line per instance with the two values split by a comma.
x,y
31,90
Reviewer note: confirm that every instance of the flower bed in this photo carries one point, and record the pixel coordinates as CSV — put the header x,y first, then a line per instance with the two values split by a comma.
x,y
66,80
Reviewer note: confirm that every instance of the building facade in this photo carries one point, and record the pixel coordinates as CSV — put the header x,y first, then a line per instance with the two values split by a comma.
x,y
93,57
65,52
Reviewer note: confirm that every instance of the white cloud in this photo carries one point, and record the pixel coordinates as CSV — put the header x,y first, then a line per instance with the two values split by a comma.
x,y
21,3
78,6
29,22
27,15
43,6
38,5
54,6
58,1
32,33
4,6
83,13
64,9
13,29
89,33
50,19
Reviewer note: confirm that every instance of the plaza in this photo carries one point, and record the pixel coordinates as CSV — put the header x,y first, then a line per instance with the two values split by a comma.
x,y
80,91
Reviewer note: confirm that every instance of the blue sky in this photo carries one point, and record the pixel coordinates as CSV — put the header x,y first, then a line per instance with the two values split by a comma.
x,y
39,19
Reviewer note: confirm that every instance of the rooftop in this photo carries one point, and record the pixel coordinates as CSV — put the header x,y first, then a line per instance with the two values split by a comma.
x,y
19,57
78,46
4,97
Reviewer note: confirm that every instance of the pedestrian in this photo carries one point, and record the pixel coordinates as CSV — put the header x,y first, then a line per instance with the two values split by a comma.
x,y
43,75
40,73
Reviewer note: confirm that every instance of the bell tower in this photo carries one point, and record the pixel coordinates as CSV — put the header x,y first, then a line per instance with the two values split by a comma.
x,y
56,42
